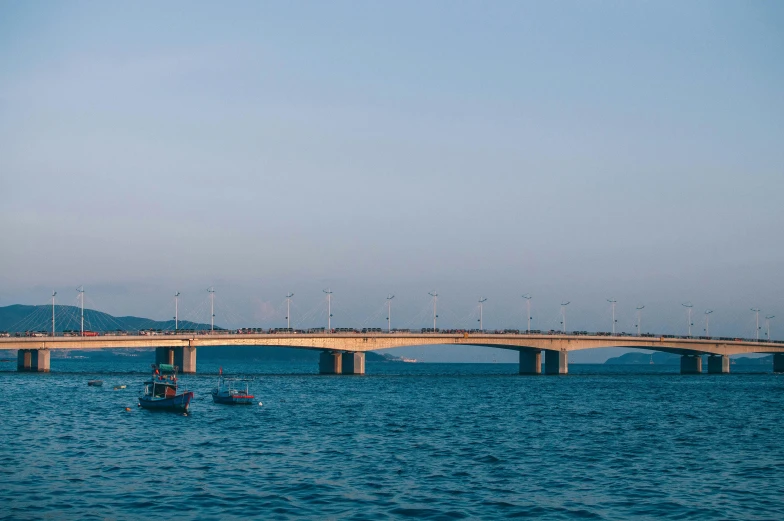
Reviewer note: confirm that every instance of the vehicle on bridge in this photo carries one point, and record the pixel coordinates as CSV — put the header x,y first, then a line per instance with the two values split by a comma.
x,y
372,330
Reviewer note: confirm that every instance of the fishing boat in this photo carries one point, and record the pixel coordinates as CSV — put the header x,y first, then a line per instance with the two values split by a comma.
x,y
95,383
160,393
230,391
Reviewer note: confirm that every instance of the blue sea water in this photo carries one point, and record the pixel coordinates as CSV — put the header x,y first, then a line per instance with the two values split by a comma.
x,y
430,441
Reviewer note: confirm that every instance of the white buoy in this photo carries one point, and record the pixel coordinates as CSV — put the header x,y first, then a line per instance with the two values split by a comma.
x,y
260,404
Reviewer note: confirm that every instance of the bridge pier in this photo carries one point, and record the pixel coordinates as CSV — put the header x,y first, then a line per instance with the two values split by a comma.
x,y
353,363
556,362
33,360
185,359
718,364
182,357
530,361
164,355
778,362
691,364
330,362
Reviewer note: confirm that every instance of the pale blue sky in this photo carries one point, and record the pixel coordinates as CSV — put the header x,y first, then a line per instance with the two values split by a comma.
x,y
574,150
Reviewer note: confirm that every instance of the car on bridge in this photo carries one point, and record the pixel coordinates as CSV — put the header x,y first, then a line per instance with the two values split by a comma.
x,y
372,330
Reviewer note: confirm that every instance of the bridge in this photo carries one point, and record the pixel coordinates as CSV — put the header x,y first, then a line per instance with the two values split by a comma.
x,y
344,353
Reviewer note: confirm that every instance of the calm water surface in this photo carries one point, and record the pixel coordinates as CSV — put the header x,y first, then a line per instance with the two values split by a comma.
x,y
431,441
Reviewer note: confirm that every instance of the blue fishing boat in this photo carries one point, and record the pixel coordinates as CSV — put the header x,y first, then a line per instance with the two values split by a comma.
x,y
160,393
229,392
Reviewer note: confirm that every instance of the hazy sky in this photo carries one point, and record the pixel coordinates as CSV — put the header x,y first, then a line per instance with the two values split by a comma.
x,y
574,150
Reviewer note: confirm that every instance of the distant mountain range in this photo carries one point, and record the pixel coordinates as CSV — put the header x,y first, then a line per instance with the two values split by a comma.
x,y
671,359
20,318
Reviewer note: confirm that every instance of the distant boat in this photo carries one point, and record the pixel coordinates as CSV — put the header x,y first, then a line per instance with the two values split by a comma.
x,y
160,393
95,383
118,387
409,360
229,392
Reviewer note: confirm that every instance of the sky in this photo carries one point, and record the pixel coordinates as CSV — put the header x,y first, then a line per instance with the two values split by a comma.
x,y
576,151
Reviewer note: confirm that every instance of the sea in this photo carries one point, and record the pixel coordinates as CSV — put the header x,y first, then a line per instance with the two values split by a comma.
x,y
404,441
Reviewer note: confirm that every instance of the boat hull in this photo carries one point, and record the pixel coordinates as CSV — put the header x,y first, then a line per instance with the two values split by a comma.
x,y
177,403
236,399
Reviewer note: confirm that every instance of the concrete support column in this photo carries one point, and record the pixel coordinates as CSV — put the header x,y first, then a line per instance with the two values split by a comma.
x,y
33,360
164,355
353,363
185,359
24,359
330,362
530,361
43,360
556,362
718,364
778,362
691,364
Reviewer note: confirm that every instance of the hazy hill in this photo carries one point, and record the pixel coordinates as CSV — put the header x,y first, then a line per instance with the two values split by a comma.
x,y
20,318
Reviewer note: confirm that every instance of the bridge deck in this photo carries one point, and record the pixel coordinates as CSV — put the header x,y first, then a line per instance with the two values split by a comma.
x,y
376,341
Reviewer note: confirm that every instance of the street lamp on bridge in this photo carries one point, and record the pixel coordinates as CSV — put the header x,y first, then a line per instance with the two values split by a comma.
x,y
527,298
481,301
329,309
639,316
434,294
767,324
288,310
707,321
563,315
211,291
613,301
756,310
688,306
176,310
54,294
389,312
80,290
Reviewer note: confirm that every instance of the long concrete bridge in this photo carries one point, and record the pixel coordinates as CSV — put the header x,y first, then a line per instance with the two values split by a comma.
x,y
344,353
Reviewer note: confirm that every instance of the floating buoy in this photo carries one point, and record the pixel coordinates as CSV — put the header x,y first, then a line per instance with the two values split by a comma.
x,y
260,404
128,409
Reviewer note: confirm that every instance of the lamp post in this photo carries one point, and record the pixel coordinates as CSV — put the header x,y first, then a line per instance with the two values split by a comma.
x,y
527,298
329,309
54,294
756,311
612,301
211,291
707,321
389,312
176,310
434,294
688,306
639,317
767,324
288,310
563,314
80,290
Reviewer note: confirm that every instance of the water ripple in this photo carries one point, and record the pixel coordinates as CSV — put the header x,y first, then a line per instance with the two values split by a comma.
x,y
424,442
